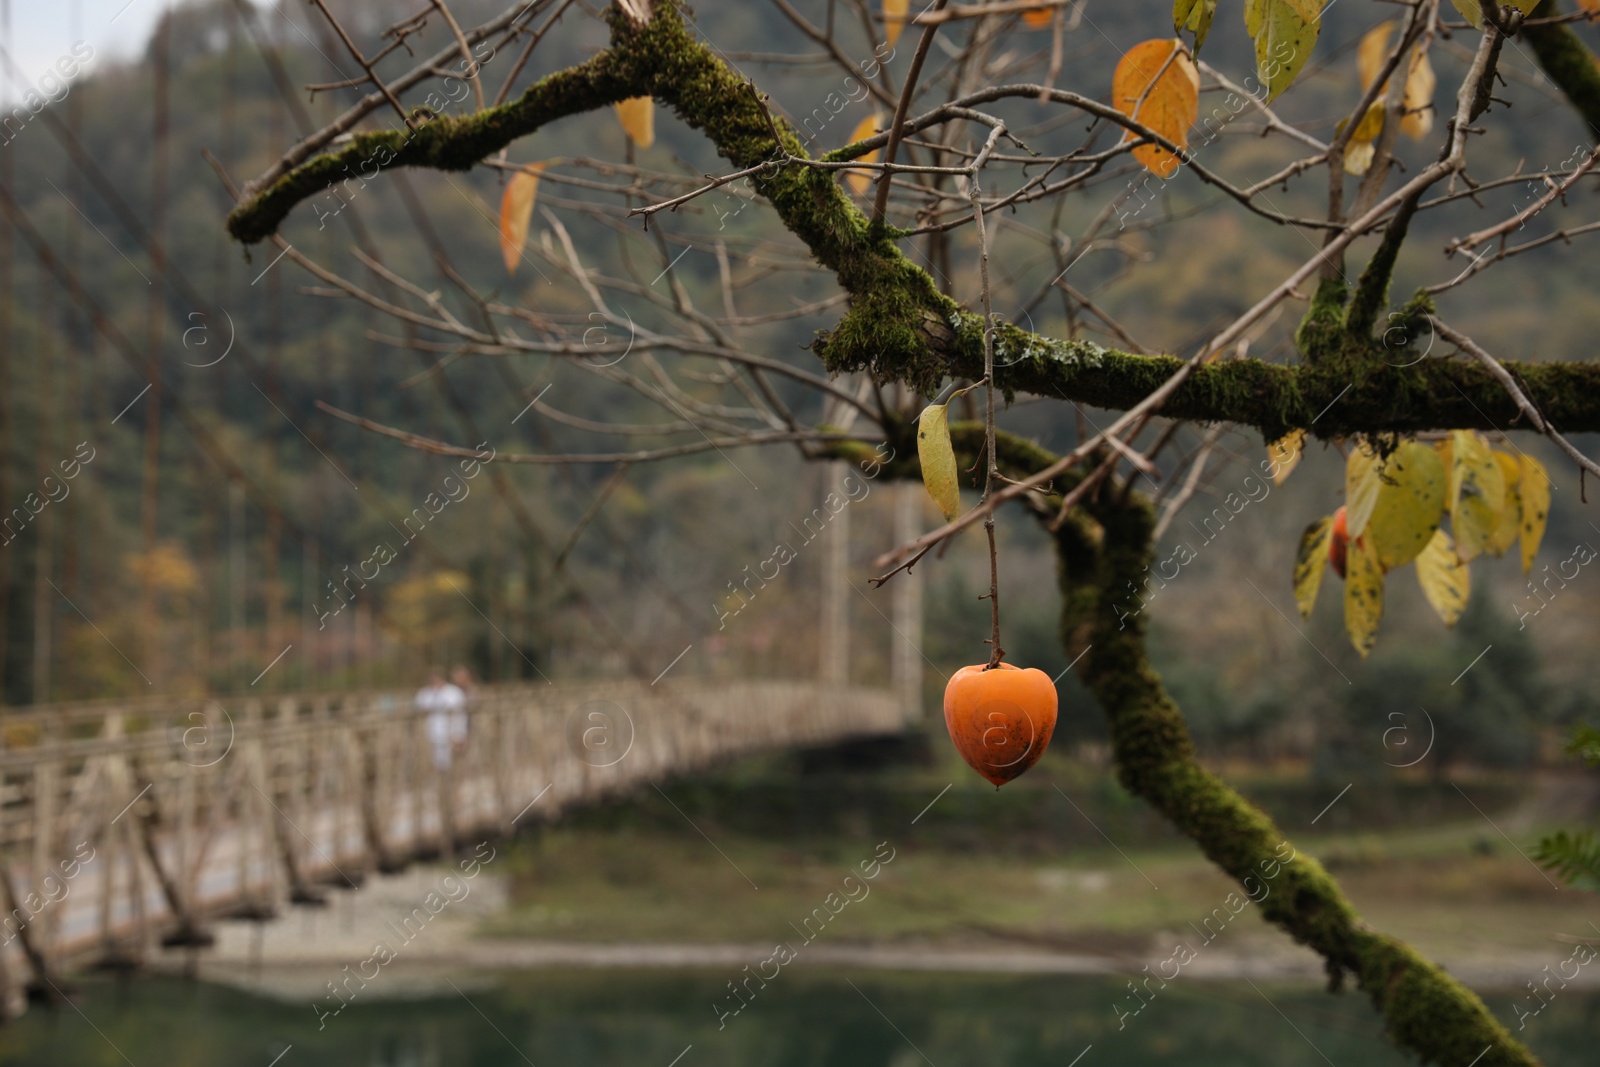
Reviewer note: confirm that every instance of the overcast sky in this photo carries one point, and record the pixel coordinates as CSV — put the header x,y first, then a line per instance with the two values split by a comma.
x,y
44,30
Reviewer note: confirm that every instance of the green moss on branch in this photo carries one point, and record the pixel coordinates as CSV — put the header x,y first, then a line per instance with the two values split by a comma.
x,y
1424,1009
1568,62
898,325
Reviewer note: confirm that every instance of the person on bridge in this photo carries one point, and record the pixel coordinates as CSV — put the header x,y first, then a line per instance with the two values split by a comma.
x,y
445,706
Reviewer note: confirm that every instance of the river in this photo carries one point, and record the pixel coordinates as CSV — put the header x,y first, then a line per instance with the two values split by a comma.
x,y
804,1018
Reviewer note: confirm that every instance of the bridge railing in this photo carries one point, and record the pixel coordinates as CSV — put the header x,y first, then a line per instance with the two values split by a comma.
x,y
172,813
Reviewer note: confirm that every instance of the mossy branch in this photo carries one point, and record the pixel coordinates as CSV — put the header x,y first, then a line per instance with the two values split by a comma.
x,y
1102,566
1104,551
1372,290
1568,62
899,326
440,143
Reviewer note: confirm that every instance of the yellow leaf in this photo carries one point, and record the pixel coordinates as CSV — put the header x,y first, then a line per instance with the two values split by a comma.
x,y
861,181
1157,83
1534,487
516,208
1285,454
1310,560
1361,481
638,117
1358,157
938,458
1372,51
1477,493
1474,13
894,18
1420,83
1445,580
1410,504
1510,524
1445,457
1363,595
1285,32
1362,147
1038,18
1591,6
1195,15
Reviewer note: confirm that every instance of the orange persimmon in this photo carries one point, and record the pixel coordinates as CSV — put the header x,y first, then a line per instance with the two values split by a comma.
x,y
1000,720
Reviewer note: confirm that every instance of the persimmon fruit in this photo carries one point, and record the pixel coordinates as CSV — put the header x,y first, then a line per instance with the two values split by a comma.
x,y
1000,720
1339,543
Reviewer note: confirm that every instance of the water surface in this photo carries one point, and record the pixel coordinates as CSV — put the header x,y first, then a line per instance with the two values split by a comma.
x,y
802,1019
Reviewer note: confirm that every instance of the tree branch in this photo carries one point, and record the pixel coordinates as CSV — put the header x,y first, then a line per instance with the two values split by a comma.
x,y
899,325
1424,1009
1568,62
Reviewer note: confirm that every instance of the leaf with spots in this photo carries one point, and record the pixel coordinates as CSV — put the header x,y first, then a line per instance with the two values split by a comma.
x,y
1362,478
1409,506
1510,524
1534,488
1477,493
1310,560
1363,595
1445,580
938,458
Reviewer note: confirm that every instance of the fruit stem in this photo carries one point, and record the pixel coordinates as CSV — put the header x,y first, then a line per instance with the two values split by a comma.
x,y
996,653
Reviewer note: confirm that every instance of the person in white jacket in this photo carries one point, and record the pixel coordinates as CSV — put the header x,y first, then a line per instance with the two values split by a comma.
x,y
445,706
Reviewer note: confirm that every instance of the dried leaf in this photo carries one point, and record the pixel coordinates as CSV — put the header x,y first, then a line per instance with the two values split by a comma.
x,y
1195,15
638,117
1445,580
516,208
1534,488
1477,493
1310,560
938,458
894,19
1285,32
1372,51
1285,454
1410,505
1361,482
861,181
1157,83
1038,18
1363,595
1420,84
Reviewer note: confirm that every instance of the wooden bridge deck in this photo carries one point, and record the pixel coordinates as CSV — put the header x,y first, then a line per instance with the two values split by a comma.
x,y
126,824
